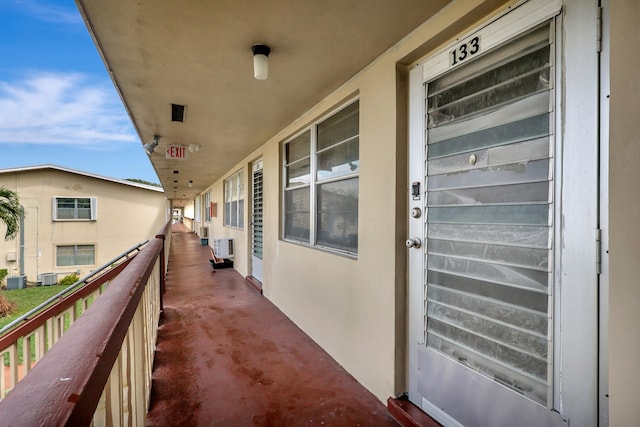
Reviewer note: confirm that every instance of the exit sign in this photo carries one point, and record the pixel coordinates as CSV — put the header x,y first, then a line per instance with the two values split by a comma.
x,y
177,152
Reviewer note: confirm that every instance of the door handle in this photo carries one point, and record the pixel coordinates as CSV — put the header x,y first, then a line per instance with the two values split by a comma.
x,y
413,243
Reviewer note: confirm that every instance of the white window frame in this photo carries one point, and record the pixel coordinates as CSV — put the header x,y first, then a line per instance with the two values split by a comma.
x,y
206,203
234,192
197,209
75,255
93,214
314,182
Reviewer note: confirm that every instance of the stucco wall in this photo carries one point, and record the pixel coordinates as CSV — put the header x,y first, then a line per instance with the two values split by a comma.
x,y
624,210
354,308
126,215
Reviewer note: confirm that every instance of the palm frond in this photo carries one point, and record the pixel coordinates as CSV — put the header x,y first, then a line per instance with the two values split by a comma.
x,y
10,212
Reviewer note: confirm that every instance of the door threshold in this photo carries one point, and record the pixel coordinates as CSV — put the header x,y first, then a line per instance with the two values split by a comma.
x,y
254,283
407,414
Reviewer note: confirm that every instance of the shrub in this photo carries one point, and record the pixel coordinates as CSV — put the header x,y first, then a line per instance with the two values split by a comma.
x,y
69,279
6,307
3,273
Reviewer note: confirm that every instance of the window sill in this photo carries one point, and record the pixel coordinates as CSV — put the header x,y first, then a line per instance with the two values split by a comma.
x,y
343,254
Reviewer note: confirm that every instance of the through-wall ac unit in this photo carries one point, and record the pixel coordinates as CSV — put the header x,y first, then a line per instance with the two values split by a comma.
x,y
223,248
48,279
204,232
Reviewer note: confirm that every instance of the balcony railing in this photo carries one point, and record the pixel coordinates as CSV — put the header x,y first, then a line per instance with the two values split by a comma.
x,y
99,370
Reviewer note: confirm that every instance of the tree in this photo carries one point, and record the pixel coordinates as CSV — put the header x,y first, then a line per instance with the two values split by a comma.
x,y
142,181
10,212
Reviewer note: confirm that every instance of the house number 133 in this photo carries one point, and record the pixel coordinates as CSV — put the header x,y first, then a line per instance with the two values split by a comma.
x,y
465,50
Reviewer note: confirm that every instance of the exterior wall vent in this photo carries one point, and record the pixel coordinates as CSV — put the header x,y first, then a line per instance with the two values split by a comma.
x,y
11,256
177,113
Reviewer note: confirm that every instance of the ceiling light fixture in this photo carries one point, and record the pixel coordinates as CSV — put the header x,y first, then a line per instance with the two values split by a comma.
x,y
260,61
194,147
190,183
150,146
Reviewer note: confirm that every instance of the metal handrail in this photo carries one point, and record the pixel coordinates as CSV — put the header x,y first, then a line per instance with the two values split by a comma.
x,y
81,281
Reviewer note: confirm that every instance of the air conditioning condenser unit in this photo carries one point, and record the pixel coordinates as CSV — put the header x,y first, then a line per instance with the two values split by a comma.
x,y
48,279
223,248
16,282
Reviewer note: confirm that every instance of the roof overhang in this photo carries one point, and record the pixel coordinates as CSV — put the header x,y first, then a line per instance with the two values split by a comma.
x,y
198,54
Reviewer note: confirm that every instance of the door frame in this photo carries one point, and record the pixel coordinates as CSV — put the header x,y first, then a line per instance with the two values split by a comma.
x,y
255,273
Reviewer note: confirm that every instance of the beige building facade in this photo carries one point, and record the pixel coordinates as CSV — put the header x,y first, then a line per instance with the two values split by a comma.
x,y
454,221
74,221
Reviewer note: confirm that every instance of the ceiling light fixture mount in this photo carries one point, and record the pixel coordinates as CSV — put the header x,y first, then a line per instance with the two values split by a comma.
x,y
150,146
261,61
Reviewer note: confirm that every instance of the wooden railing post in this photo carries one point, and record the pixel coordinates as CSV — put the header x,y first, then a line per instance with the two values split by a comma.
x,y
162,271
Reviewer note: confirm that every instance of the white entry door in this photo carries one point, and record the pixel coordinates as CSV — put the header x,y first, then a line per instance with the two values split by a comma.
x,y
503,282
256,220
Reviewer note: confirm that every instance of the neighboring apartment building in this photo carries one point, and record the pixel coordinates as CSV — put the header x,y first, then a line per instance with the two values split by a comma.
x,y
76,221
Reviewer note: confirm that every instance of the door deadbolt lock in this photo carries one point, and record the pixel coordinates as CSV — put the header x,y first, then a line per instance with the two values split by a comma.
x,y
416,213
413,243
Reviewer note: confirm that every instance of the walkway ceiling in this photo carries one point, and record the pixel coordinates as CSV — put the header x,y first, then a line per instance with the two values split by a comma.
x,y
198,54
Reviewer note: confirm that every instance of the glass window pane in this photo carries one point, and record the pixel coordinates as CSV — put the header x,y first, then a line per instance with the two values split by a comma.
x,y
296,215
338,215
65,255
227,213
233,221
240,223
239,185
529,128
66,208
534,171
519,193
75,255
299,173
298,148
84,213
339,160
509,214
519,67
534,258
66,202
85,255
339,127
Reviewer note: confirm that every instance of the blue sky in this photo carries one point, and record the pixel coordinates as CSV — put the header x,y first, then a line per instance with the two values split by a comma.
x,y
57,102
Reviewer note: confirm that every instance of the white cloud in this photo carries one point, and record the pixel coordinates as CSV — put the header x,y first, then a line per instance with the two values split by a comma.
x,y
45,12
68,109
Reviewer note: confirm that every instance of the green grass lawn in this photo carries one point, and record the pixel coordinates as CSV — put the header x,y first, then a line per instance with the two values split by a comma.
x,y
28,298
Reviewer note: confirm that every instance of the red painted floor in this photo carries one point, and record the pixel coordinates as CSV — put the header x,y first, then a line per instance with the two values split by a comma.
x,y
226,356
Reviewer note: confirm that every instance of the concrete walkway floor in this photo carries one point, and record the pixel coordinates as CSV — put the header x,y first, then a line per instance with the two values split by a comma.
x,y
226,356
